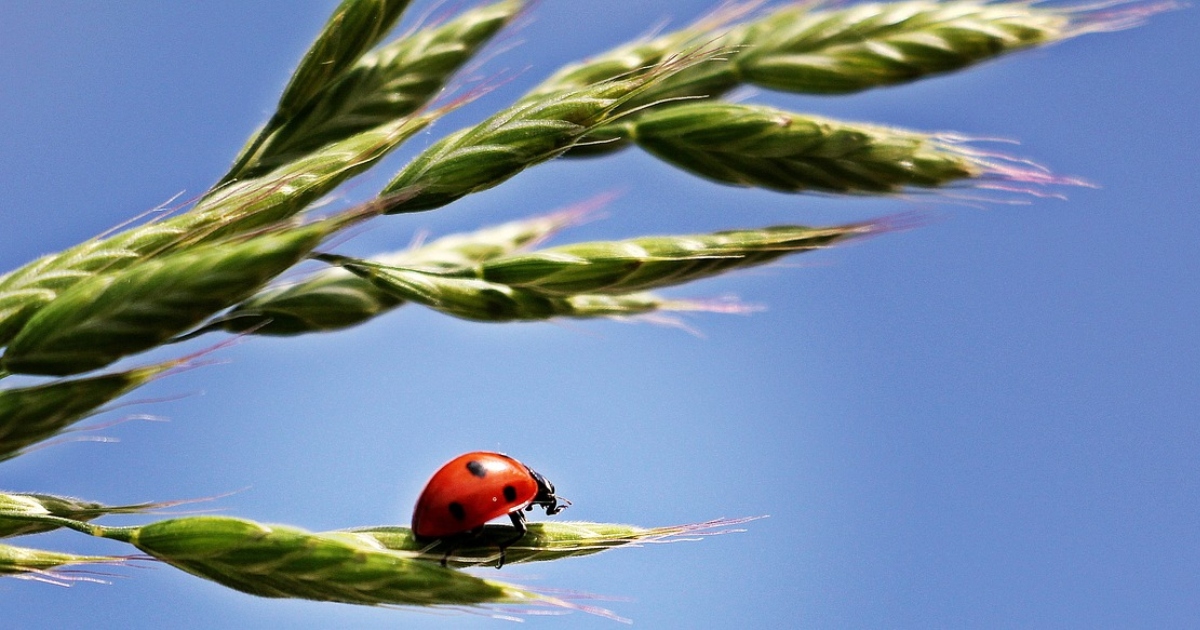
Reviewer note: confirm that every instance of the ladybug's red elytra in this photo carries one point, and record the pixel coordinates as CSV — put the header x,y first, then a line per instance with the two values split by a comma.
x,y
474,488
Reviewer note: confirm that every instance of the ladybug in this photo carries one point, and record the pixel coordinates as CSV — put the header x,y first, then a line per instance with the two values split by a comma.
x,y
474,488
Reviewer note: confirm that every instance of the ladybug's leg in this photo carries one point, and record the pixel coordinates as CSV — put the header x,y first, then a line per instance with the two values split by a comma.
x,y
449,550
518,521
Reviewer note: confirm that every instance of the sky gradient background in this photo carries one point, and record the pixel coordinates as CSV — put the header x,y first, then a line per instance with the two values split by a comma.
x,y
989,421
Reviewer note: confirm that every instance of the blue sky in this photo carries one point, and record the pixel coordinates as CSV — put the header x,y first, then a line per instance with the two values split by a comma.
x,y
989,421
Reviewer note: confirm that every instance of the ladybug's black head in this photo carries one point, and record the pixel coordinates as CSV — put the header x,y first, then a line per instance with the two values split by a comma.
x,y
545,496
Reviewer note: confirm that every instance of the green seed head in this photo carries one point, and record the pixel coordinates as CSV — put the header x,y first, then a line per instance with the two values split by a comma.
x,y
383,86
529,133
849,49
331,299
113,315
245,205
334,299
803,48
233,209
39,564
281,561
748,145
29,415
483,301
543,542
15,505
618,267
353,29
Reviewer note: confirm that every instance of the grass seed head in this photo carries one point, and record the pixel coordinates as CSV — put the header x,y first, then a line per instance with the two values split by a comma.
x,y
38,564
281,561
334,299
543,541
710,78
113,315
245,205
807,48
467,249
64,507
764,147
29,415
618,267
527,134
466,298
384,85
842,50
483,301
331,299
355,27
235,208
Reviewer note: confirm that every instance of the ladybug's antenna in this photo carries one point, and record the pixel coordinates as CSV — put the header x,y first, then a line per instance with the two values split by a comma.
x,y
563,504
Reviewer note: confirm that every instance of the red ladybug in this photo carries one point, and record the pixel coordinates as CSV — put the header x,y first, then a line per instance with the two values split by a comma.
x,y
475,488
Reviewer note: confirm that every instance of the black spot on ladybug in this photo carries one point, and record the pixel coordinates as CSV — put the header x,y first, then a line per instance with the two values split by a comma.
x,y
477,469
457,511
510,494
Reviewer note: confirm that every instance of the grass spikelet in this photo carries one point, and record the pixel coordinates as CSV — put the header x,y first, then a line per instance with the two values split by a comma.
x,y
471,248
250,204
29,415
748,145
113,315
618,267
712,77
334,299
24,503
328,300
236,208
529,133
636,56
809,49
283,561
544,541
384,85
355,27
849,49
41,565
483,301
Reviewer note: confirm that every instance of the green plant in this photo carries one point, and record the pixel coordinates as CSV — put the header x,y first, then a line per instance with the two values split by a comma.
x,y
211,267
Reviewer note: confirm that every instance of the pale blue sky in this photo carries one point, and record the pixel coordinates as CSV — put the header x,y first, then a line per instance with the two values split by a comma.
x,y
989,421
